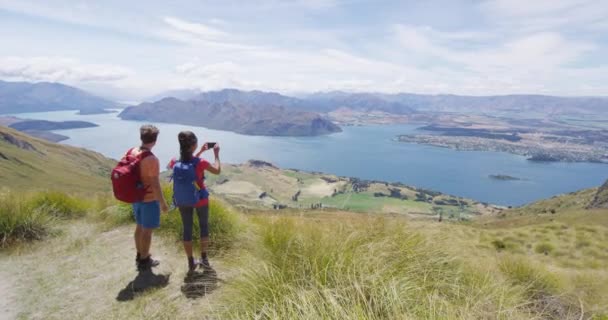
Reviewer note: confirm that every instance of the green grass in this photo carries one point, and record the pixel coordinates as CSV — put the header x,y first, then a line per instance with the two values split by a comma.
x,y
21,220
367,269
365,202
351,266
544,248
61,205
536,281
30,216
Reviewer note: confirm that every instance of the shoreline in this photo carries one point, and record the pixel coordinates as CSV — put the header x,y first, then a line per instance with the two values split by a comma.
x,y
533,153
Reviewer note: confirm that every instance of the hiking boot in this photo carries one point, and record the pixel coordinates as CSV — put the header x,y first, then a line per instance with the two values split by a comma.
x,y
191,265
147,264
138,257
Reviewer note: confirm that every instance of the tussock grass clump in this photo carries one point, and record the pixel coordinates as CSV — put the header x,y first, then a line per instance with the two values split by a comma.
x,y
21,220
117,214
544,291
544,248
61,205
371,269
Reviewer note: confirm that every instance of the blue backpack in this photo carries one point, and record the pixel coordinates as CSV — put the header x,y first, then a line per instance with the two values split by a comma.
x,y
186,192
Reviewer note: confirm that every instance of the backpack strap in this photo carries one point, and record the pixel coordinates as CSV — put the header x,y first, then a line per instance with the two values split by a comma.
x,y
142,155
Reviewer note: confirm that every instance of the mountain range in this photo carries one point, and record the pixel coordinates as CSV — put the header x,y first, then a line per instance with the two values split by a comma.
x,y
233,115
19,97
270,113
408,103
527,105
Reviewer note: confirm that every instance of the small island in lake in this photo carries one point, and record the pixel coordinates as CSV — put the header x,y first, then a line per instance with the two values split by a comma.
x,y
503,177
44,125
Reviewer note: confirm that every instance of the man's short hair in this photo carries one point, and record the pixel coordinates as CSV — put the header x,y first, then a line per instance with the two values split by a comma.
x,y
148,133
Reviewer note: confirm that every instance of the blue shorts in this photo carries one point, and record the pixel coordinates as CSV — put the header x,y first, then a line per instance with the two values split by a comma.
x,y
147,214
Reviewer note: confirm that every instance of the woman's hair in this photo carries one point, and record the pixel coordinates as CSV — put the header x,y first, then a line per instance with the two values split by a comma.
x,y
187,139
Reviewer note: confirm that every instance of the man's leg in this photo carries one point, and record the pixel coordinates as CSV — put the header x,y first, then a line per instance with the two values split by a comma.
x,y
137,236
146,240
138,230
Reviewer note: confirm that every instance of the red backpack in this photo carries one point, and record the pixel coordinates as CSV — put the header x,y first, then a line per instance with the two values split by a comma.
x,y
126,178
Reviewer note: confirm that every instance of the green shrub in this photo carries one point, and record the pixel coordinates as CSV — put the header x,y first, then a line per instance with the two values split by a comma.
x,y
21,220
499,244
60,205
544,248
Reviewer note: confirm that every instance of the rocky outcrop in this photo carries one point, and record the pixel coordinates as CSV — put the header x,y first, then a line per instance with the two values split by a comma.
x,y
600,201
11,139
260,164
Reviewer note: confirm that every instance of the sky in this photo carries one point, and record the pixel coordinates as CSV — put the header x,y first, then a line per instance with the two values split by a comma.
x,y
130,50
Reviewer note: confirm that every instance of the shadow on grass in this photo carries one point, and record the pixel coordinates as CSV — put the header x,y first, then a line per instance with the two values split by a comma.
x,y
143,282
198,284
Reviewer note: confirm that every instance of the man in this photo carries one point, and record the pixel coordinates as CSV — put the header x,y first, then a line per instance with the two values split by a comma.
x,y
147,212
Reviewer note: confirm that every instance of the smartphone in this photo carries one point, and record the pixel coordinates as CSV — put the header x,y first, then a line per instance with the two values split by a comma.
x,y
210,145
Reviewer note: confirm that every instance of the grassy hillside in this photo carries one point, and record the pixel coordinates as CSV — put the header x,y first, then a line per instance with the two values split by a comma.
x,y
315,266
257,184
28,163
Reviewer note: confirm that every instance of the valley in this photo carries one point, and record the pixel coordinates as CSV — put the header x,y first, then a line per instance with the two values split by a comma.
x,y
261,185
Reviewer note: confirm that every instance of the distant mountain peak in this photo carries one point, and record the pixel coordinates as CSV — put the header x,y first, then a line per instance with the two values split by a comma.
x,y
244,113
19,97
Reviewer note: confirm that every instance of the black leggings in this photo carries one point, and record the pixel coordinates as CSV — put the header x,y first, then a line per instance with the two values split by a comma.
x,y
188,221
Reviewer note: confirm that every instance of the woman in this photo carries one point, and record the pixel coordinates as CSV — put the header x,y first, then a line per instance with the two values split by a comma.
x,y
188,143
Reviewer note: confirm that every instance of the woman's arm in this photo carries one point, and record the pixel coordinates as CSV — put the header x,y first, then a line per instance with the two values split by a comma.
x,y
216,168
204,148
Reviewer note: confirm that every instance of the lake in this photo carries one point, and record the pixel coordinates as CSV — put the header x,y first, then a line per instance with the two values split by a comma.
x,y
368,152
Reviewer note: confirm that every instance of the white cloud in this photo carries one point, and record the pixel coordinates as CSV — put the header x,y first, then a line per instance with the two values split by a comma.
x,y
545,15
59,70
504,46
542,50
197,29
196,69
